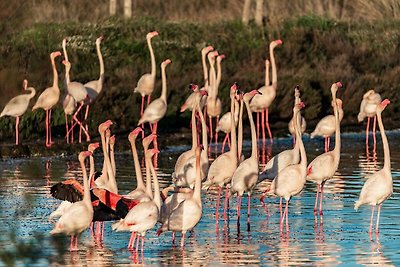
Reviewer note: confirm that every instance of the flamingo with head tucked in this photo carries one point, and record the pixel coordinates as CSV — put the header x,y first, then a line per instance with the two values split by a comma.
x,y
323,167
49,97
368,105
379,185
17,106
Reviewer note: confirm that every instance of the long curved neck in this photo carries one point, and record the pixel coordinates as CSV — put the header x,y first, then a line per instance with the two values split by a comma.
x,y
164,83
194,130
386,150
148,176
67,78
240,130
156,197
212,92
55,74
101,63
91,168
267,81
152,58
219,75
253,131
110,171
113,160
204,139
197,186
86,193
105,154
205,70
32,92
337,130
303,156
274,72
233,129
65,50
138,171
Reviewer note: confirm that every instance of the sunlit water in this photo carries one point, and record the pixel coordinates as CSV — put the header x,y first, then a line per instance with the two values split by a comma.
x,y
342,240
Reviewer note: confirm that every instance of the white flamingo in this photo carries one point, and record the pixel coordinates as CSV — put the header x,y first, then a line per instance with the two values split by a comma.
x,y
303,124
368,105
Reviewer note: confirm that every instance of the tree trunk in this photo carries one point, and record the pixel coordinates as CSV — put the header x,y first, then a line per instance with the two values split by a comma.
x,y
113,7
246,12
127,9
259,12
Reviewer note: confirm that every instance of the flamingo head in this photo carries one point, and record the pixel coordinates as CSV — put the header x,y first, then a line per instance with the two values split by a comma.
x,y
300,105
55,54
151,34
65,41
83,155
335,87
104,126
203,93
112,140
211,56
134,134
25,84
239,94
275,43
166,62
99,39
248,96
66,63
108,133
206,49
93,146
148,139
384,103
339,84
220,57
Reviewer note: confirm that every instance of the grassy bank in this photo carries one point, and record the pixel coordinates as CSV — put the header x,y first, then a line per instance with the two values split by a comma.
x,y
316,52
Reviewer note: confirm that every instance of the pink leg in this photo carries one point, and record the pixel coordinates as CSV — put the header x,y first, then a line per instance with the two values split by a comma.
x,y
367,130
374,130
47,128
280,208
71,243
17,131
238,206
258,125
372,218
287,216
218,202
50,139
262,126
329,143
284,216
183,240
226,203
141,113
316,199
248,209
72,129
322,196
155,132
137,244
229,141
66,128
141,250
132,240
223,143
377,219
326,144
85,119
211,129
267,124
216,133
79,123
173,237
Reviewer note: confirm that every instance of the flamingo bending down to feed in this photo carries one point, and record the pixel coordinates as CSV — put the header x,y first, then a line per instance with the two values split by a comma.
x,y
290,181
368,105
262,102
145,215
156,110
95,87
188,213
323,167
326,126
79,216
379,185
303,123
221,170
245,177
49,97
17,106
79,93
145,85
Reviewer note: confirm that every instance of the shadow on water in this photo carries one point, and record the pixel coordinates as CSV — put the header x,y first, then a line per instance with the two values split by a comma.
x,y
342,239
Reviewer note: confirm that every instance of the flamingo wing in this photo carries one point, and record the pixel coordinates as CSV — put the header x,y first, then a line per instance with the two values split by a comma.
x,y
70,190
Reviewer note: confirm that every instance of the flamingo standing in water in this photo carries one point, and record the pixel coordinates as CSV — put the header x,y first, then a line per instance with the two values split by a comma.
x,y
303,124
146,83
379,185
245,177
290,181
327,125
17,106
262,102
95,87
221,170
156,110
224,124
368,105
49,98
323,167
188,213
79,216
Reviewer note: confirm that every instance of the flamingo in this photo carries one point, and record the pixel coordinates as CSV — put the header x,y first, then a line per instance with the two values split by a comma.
x,y
223,167
224,124
17,106
323,167
95,87
379,185
326,126
79,216
245,177
79,93
303,123
156,110
368,105
145,85
290,181
145,215
188,213
49,97
262,102
69,105
239,97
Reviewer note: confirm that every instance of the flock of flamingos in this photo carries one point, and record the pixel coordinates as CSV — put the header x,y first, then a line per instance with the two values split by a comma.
x,y
178,208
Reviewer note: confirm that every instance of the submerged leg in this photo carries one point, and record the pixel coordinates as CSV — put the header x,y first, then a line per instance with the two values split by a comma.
x,y
377,219
267,124
367,130
316,199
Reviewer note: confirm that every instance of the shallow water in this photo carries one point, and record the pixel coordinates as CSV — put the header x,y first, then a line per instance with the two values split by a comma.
x,y
342,240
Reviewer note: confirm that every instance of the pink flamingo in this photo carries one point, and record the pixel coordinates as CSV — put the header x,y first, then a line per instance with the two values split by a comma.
x,y
323,167
188,213
224,124
156,110
79,216
303,123
379,185
245,177
146,83
326,126
49,97
368,105
17,106
290,181
262,102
